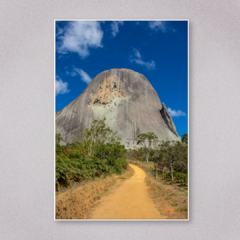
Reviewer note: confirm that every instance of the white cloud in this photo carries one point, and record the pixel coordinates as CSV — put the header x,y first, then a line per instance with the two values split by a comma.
x,y
115,28
161,26
61,87
175,113
79,72
71,73
79,37
149,65
84,76
137,58
137,53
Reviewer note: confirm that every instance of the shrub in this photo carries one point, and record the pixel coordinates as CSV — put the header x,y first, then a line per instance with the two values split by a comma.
x,y
167,176
181,209
76,167
177,176
180,177
95,155
67,169
75,154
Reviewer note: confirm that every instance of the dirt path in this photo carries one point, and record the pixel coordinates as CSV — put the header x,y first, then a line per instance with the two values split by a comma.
x,y
129,201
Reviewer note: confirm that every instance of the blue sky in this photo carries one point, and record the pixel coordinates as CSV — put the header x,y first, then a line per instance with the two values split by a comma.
x,y
156,49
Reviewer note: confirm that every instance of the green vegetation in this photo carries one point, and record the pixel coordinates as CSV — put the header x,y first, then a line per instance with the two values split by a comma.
x,y
185,138
181,209
146,141
95,152
174,203
171,158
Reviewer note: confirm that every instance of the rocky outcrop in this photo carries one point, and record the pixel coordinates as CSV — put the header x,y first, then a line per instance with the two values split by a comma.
x,y
127,100
107,91
168,119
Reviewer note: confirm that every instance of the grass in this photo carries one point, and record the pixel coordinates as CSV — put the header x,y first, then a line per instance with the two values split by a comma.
x,y
123,178
170,196
166,195
174,203
183,194
127,173
181,209
100,195
103,193
148,181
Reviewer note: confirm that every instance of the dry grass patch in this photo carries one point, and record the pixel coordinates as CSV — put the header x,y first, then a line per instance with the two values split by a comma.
x,y
77,202
170,200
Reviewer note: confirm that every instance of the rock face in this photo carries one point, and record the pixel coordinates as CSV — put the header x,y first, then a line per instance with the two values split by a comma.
x,y
168,119
127,100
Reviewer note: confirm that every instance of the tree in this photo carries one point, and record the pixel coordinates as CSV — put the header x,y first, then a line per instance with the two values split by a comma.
x,y
98,134
146,140
172,154
59,148
161,156
185,138
182,151
58,138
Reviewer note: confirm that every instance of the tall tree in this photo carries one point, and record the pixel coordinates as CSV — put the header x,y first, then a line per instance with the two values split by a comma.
x,y
146,140
171,153
97,134
161,156
58,138
185,138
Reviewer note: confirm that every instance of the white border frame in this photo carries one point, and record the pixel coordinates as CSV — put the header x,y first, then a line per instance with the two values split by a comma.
x,y
156,220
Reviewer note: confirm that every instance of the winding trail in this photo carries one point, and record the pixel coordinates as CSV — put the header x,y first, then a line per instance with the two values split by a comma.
x,y
129,201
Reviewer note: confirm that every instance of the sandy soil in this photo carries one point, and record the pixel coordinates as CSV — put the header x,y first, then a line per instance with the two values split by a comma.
x,y
130,200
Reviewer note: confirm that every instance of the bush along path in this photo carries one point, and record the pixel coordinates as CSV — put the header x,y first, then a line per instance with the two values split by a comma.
x,y
76,203
97,160
96,152
170,198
